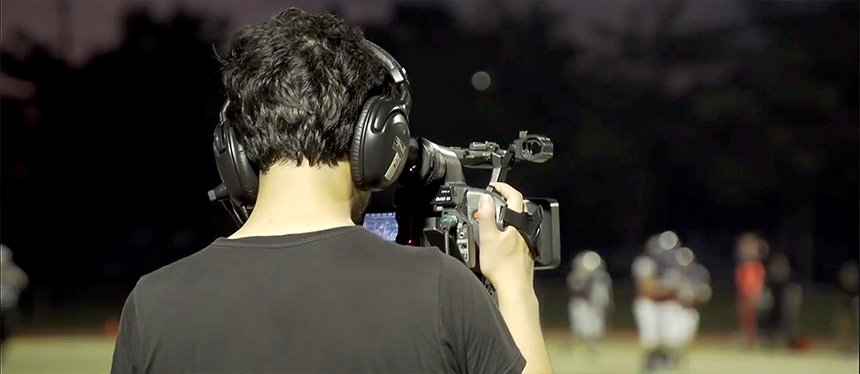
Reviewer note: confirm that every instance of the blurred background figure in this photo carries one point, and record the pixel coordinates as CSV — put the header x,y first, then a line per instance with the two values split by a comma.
x,y
13,280
847,311
749,279
780,305
590,298
656,308
694,290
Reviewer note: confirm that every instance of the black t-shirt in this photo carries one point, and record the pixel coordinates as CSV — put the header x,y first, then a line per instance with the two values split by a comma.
x,y
335,301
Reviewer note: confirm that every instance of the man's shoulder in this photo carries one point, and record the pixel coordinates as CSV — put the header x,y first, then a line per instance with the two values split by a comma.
x,y
169,276
451,272
398,252
456,277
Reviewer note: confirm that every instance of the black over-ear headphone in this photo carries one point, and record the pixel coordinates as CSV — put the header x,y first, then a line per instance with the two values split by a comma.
x,y
377,153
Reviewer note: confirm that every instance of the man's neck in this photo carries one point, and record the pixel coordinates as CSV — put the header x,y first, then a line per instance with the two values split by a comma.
x,y
299,199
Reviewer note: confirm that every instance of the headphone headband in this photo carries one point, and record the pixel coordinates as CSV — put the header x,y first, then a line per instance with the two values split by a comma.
x,y
395,71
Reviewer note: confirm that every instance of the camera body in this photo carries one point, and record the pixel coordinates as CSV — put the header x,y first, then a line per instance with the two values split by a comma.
x,y
435,206
455,230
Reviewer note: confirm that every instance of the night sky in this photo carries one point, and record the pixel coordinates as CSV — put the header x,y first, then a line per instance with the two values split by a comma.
x,y
97,24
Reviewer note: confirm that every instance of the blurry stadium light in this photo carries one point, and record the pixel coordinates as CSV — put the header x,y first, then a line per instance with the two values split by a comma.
x,y
481,80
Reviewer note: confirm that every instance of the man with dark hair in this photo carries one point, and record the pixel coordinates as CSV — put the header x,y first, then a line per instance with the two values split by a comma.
x,y
299,287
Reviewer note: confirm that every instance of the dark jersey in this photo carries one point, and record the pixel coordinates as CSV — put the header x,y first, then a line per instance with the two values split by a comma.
x,y
660,266
694,278
697,274
335,301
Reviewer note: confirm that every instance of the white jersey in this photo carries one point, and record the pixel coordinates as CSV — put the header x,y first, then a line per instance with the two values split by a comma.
x,y
591,295
662,268
644,267
594,287
12,280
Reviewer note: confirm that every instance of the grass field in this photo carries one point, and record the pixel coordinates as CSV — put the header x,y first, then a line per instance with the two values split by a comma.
x,y
80,348
617,354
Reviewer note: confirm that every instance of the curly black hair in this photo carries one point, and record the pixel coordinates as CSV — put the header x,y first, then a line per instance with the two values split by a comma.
x,y
296,83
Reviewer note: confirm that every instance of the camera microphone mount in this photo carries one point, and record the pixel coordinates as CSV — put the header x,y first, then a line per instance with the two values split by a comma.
x,y
434,177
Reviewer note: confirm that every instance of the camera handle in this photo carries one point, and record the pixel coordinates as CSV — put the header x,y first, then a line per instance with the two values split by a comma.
x,y
501,166
527,222
531,148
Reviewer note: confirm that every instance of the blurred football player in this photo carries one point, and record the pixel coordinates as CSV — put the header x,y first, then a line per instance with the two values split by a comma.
x,y
656,307
782,298
694,290
749,278
848,309
591,296
13,280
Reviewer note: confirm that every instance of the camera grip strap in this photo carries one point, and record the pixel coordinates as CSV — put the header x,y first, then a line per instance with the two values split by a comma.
x,y
527,223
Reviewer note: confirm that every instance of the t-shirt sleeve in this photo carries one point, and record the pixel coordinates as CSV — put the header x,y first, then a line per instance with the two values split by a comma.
x,y
124,353
471,326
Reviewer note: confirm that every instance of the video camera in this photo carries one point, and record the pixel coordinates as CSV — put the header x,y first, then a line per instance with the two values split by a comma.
x,y
433,204
435,207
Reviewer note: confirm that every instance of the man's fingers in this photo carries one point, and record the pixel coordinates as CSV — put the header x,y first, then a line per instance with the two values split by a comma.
x,y
486,213
486,209
514,197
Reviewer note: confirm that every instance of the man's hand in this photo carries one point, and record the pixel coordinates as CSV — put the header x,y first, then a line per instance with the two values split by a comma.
x,y
505,260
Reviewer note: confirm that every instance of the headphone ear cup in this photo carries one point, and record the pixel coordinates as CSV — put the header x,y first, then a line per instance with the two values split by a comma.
x,y
355,151
380,144
236,170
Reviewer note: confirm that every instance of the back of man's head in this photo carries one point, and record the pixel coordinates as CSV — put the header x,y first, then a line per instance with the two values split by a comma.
x,y
296,84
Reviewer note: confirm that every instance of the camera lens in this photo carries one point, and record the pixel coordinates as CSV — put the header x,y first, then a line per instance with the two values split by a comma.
x,y
533,147
536,148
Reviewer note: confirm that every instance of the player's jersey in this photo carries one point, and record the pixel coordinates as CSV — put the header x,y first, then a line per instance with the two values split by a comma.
x,y
749,278
658,265
13,280
661,266
596,286
695,276
644,267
